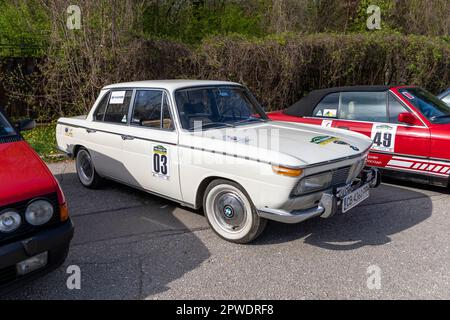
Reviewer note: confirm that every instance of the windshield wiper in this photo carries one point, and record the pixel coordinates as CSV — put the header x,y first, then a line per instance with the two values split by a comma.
x,y
249,120
203,125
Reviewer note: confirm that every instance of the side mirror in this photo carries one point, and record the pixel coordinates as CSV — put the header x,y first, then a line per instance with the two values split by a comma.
x,y
408,118
25,125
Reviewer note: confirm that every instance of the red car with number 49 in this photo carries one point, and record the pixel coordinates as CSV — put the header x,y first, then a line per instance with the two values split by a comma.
x,y
409,126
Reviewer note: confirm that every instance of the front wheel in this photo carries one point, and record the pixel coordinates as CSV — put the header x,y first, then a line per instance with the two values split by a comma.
x,y
230,212
86,171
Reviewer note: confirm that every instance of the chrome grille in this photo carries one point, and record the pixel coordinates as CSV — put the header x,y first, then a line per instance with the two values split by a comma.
x,y
340,176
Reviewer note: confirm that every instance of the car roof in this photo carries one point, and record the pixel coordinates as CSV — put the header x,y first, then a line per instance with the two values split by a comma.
x,y
170,85
306,105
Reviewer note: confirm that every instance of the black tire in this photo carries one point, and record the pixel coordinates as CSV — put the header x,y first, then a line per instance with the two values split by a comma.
x,y
88,177
231,213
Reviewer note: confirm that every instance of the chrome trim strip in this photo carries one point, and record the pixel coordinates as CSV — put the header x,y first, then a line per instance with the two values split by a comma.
x,y
227,154
115,133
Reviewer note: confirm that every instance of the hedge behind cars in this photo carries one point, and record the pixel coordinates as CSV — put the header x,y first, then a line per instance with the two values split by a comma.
x,y
278,69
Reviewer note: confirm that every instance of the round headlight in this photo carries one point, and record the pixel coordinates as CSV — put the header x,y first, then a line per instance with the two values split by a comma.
x,y
9,221
39,212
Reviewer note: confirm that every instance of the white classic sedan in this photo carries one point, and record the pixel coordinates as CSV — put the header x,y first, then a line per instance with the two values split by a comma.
x,y
209,144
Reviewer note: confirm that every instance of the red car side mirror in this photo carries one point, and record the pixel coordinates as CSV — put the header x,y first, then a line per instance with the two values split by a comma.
x,y
408,118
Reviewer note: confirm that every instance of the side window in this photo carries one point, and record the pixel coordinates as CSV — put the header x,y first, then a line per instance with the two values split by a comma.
x,y
395,108
328,106
151,110
101,108
363,106
119,102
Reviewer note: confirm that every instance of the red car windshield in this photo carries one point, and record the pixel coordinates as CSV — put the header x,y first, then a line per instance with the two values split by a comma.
x,y
5,128
431,107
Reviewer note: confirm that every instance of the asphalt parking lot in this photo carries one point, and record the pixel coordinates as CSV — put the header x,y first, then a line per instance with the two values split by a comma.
x,y
132,245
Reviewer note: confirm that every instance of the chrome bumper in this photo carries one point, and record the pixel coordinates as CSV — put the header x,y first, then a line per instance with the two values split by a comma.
x,y
328,205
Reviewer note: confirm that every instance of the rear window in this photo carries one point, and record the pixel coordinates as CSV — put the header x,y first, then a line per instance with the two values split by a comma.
x,y
5,127
328,107
119,103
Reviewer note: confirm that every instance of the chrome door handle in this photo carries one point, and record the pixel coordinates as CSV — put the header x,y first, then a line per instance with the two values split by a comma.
x,y
127,138
90,130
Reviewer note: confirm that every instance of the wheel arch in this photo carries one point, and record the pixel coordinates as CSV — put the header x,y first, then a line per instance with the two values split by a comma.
x,y
202,188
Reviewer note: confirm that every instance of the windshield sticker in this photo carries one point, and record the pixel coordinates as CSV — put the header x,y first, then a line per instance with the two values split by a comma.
x,y
332,113
327,123
319,113
117,97
383,137
408,95
161,164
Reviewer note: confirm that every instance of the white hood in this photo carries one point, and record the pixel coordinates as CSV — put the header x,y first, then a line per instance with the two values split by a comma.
x,y
281,142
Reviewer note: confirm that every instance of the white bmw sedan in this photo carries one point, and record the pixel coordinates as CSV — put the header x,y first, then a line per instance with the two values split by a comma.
x,y
209,144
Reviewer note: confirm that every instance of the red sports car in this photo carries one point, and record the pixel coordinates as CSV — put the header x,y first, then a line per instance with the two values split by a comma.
x,y
35,229
409,126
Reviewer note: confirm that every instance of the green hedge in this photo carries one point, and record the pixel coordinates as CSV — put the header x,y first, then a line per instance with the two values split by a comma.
x,y
281,69
278,69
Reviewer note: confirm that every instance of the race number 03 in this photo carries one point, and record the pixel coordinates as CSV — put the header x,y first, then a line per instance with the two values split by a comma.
x,y
161,161
160,164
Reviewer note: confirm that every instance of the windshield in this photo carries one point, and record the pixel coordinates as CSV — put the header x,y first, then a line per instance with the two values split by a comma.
x,y
215,107
5,128
430,106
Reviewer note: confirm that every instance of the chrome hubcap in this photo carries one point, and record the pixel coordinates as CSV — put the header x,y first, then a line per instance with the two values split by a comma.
x,y
230,211
84,166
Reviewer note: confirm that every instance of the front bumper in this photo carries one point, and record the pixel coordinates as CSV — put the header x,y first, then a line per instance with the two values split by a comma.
x,y
329,203
55,241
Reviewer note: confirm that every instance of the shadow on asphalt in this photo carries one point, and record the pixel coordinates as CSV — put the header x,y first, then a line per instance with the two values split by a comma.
x,y
390,209
129,245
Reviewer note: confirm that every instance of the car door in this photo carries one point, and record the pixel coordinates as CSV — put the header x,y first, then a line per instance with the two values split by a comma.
x,y
150,147
109,125
412,142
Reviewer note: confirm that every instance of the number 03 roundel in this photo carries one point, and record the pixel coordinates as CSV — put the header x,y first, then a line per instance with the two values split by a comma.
x,y
383,137
160,161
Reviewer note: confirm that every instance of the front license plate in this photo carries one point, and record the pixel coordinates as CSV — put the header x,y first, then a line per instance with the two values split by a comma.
x,y
356,197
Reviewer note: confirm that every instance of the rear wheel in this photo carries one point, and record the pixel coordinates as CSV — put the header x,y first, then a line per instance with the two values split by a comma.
x,y
230,212
86,171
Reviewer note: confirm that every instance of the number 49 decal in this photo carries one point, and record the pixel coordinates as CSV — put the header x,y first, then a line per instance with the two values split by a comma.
x,y
383,137
160,161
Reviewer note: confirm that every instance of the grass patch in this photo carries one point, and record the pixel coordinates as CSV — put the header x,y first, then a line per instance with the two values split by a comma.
x,y
43,140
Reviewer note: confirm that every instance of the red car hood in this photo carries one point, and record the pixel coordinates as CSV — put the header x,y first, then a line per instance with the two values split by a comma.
x,y
23,175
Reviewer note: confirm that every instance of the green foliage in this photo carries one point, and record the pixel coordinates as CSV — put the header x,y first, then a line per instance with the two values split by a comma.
x,y
190,22
42,139
358,24
23,23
